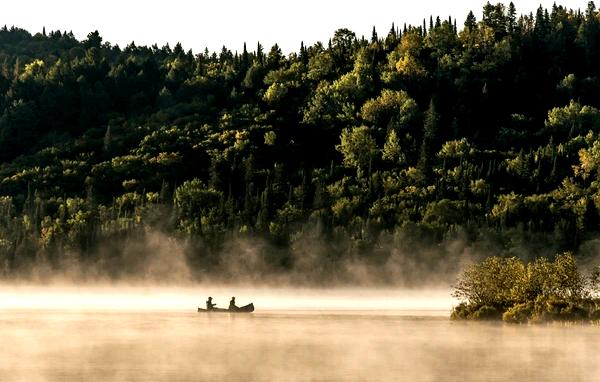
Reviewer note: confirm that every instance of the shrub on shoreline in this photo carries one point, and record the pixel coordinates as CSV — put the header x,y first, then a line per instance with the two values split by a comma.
x,y
540,291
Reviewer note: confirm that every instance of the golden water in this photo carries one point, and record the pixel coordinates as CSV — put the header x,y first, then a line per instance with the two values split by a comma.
x,y
154,334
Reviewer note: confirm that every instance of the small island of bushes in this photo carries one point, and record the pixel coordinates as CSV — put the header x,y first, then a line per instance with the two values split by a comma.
x,y
542,290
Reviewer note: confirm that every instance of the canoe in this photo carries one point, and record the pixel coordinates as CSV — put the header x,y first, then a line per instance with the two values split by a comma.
x,y
242,309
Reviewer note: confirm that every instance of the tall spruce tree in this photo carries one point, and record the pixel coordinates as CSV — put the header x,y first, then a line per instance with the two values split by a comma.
x,y
470,22
431,126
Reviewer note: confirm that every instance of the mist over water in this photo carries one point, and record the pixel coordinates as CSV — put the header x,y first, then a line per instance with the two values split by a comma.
x,y
185,299
134,333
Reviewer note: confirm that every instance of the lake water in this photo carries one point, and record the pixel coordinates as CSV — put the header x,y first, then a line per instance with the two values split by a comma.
x,y
94,335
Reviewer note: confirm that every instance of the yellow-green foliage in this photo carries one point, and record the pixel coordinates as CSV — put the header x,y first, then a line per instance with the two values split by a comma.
x,y
519,313
541,290
491,282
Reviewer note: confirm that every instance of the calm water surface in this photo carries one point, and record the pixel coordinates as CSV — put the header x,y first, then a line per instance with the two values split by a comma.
x,y
59,344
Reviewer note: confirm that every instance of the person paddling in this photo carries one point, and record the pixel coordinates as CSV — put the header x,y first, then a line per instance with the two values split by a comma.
x,y
209,304
232,305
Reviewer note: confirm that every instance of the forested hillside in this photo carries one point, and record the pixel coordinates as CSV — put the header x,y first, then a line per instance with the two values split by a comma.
x,y
355,150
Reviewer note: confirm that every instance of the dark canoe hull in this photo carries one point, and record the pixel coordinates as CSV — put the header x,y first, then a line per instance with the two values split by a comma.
x,y
242,309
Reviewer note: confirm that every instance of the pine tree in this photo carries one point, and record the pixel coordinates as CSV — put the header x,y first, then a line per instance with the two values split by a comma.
x,y
106,147
392,39
511,18
393,31
17,68
430,131
541,26
260,54
589,37
470,22
303,53
245,59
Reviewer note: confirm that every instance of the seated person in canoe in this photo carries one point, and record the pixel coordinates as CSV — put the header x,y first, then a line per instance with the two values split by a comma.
x,y
232,305
209,304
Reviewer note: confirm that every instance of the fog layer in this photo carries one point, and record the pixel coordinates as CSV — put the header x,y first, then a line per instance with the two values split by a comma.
x,y
286,346
186,299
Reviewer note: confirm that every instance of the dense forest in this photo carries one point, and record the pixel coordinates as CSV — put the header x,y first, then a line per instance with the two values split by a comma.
x,y
402,150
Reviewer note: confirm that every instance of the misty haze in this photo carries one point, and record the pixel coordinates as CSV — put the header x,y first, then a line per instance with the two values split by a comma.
x,y
148,333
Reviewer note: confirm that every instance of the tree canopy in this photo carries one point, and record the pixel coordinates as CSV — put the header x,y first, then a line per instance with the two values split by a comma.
x,y
402,142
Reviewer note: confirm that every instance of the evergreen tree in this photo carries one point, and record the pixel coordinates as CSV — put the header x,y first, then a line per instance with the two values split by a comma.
x,y
260,54
511,18
470,22
430,133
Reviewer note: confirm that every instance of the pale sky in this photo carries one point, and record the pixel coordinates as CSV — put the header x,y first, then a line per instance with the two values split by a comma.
x,y
199,24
